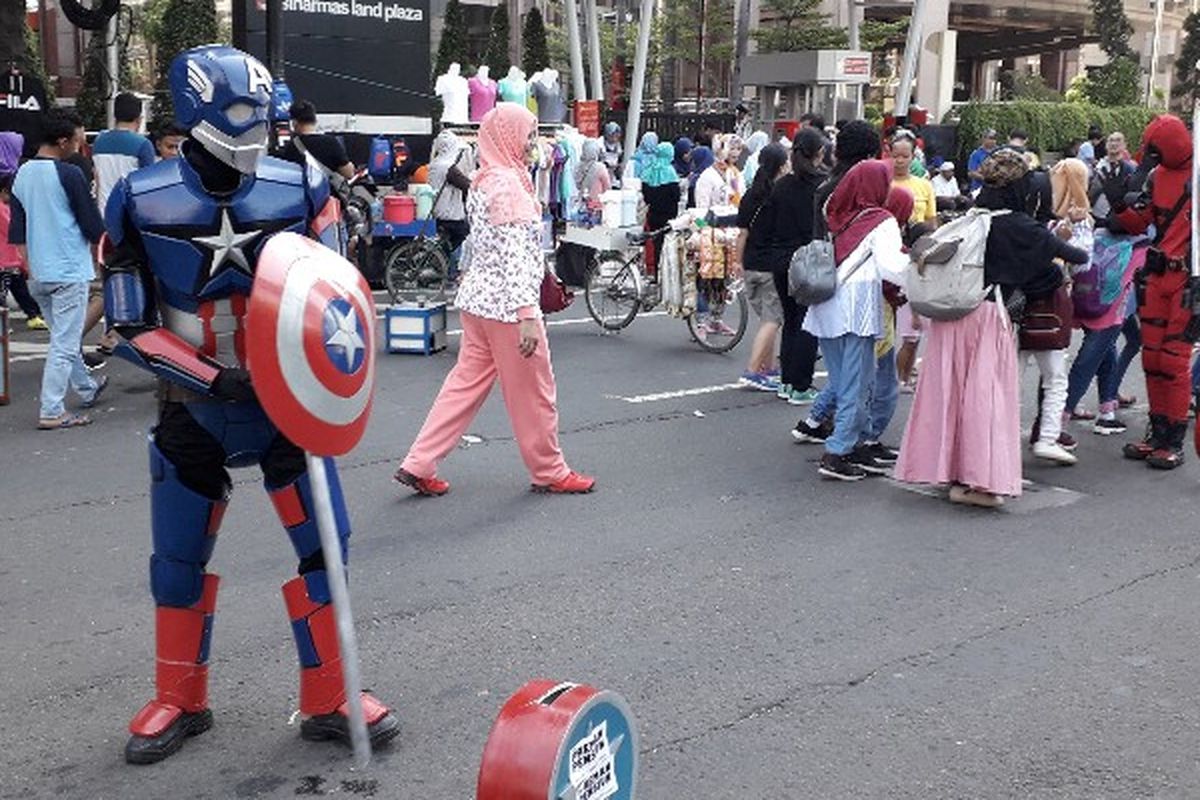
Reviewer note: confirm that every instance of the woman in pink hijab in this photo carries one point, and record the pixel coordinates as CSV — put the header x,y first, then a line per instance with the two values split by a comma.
x,y
503,335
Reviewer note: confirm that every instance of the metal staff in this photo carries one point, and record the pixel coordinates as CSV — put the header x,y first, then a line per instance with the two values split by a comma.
x,y
347,643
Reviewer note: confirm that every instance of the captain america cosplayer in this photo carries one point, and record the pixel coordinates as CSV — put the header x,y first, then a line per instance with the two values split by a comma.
x,y
1167,293
185,237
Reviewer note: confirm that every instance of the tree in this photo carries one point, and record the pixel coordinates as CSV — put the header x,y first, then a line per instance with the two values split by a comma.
x,y
797,25
185,24
453,47
12,45
31,62
1186,83
92,103
1117,83
682,23
496,56
535,53
1112,26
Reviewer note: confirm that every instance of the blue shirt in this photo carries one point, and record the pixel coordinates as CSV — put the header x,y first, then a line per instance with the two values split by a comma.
x,y
117,153
55,217
974,162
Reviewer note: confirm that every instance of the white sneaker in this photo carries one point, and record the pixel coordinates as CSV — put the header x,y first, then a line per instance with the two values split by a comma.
x,y
1052,451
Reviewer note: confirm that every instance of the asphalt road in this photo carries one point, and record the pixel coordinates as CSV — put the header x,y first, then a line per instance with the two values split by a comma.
x,y
777,636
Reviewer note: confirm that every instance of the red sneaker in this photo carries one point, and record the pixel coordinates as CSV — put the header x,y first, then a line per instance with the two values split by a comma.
x,y
427,487
573,483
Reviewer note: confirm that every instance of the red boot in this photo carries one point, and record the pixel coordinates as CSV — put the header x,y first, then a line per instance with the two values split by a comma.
x,y
322,692
180,707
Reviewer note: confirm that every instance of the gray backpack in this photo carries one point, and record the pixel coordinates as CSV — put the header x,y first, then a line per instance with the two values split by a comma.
x,y
945,279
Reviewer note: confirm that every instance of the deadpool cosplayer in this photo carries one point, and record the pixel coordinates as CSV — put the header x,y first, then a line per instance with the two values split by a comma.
x,y
185,236
1160,195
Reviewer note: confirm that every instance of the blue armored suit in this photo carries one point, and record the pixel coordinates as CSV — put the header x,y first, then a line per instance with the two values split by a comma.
x,y
185,236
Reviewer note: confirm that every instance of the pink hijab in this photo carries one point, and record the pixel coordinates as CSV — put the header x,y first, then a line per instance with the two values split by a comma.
x,y
504,174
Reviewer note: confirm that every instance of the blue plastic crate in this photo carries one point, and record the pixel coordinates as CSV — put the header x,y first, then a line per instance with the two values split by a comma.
x,y
415,328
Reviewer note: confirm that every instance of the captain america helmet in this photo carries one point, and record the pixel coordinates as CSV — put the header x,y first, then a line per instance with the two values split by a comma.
x,y
223,97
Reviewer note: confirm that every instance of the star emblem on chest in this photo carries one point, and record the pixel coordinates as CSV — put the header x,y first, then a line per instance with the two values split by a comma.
x,y
229,246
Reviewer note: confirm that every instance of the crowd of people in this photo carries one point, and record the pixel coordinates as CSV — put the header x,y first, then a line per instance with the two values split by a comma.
x,y
1072,242
1081,244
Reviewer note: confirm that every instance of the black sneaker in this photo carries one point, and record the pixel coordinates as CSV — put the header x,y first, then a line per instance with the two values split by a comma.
x,y
882,453
810,434
864,458
94,361
840,468
1107,427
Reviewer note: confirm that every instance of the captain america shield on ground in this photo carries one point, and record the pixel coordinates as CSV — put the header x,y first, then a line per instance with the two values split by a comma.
x,y
311,344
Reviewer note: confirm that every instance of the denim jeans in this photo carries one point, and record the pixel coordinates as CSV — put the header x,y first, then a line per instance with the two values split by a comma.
x,y
1196,375
1097,358
1132,331
882,392
63,306
885,394
850,361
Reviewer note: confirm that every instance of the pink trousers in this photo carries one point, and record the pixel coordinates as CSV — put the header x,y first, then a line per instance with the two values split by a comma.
x,y
488,350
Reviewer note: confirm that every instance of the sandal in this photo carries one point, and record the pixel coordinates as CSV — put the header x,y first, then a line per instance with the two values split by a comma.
x,y
101,385
65,421
973,497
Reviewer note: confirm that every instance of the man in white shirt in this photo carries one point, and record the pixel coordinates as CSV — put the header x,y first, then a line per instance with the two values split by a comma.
x,y
944,183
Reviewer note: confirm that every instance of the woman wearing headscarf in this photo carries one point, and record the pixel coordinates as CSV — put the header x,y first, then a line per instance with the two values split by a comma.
x,y
789,225
449,181
1097,356
965,425
867,250
645,154
719,185
753,222
683,151
754,145
503,335
612,150
592,179
661,191
1070,221
701,159
884,391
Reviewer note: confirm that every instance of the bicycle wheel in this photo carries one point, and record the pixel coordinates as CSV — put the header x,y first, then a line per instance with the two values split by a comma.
x,y
419,267
721,327
613,292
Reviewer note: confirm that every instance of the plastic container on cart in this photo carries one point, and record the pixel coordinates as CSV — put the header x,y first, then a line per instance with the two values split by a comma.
x,y
613,209
629,207
424,195
399,208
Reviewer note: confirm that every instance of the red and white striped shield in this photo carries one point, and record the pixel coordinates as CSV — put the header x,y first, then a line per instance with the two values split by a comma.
x,y
310,336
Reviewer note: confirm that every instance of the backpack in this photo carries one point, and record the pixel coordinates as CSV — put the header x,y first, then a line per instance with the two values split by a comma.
x,y
380,163
945,280
1103,283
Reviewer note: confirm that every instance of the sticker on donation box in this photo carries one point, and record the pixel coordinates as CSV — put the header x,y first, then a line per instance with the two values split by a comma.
x,y
591,766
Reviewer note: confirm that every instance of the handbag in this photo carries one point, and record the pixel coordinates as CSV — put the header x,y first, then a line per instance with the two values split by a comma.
x,y
813,271
555,294
1047,321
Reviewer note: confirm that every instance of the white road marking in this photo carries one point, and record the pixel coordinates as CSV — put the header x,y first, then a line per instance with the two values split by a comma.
x,y
677,393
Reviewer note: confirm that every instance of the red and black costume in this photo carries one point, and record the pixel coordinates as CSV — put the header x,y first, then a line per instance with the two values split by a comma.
x,y
1165,285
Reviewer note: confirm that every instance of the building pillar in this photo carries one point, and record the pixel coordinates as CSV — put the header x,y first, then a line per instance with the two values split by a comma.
x,y
935,64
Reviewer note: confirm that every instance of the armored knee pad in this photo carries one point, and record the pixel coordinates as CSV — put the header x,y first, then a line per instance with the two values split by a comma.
x,y
184,526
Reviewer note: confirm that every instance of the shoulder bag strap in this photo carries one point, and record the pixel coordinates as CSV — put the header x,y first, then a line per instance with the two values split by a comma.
x,y
1160,233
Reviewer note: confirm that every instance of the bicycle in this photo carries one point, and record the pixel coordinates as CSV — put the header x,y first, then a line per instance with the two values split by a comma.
x,y
419,266
617,288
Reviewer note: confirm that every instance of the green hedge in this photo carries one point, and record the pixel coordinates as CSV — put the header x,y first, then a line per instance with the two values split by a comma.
x,y
1051,126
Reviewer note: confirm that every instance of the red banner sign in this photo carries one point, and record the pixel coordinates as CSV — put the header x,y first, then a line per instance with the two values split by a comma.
x,y
587,117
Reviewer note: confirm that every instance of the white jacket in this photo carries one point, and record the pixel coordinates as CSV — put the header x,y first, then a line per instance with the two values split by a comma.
x,y
857,305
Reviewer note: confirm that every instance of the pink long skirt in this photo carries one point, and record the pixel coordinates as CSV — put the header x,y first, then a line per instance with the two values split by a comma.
x,y
965,425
